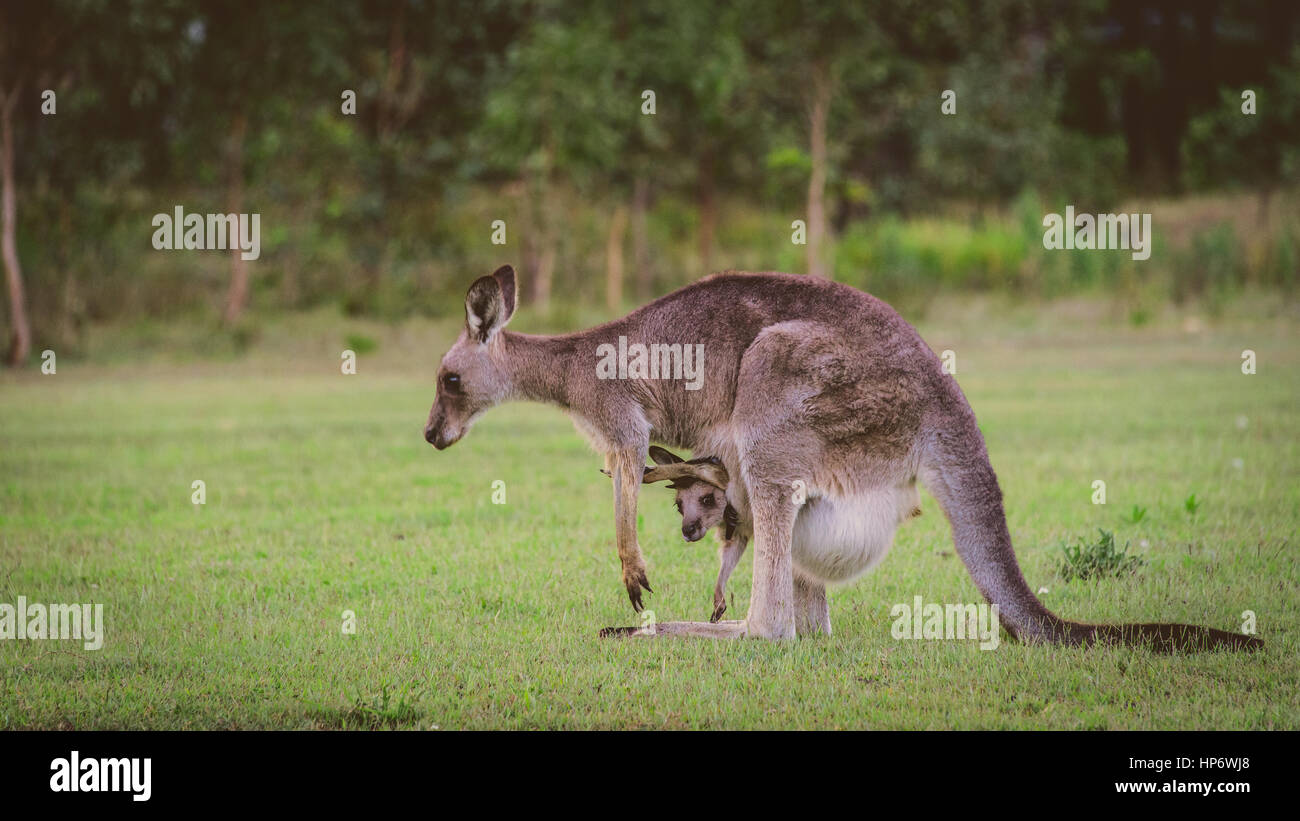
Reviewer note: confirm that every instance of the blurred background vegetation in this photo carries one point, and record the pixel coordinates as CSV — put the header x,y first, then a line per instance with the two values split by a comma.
x,y
827,111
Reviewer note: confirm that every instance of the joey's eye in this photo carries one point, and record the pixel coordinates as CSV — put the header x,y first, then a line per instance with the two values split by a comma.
x,y
708,501
451,382
678,505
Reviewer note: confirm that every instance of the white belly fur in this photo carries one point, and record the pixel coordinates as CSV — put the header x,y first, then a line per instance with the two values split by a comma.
x,y
837,539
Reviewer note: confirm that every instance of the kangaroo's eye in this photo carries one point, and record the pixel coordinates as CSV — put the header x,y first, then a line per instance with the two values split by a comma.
x,y
708,501
678,505
451,382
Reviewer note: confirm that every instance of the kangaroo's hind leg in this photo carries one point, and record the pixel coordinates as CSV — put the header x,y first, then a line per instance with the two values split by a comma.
x,y
779,457
812,613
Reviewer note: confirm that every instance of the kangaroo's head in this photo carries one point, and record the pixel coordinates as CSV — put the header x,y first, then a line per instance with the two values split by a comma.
x,y
701,486
472,376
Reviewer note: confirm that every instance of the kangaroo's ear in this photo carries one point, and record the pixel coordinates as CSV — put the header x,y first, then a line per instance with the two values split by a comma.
x,y
505,277
663,456
490,303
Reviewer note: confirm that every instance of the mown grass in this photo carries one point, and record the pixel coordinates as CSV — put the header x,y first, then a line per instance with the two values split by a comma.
x,y
322,497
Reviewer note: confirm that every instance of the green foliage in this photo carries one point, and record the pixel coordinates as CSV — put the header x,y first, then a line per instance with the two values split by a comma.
x,y
531,113
1001,139
1227,147
1139,316
1213,266
1098,559
1136,515
385,709
360,344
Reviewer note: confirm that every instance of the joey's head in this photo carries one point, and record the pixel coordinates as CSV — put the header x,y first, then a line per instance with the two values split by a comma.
x,y
701,486
472,376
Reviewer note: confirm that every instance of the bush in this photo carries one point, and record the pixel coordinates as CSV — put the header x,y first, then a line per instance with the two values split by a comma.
x,y
1097,560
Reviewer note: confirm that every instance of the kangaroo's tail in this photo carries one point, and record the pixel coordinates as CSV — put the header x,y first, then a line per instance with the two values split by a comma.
x,y
955,468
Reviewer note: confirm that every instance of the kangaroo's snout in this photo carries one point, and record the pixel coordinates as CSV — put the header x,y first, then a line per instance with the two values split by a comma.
x,y
435,433
692,531
433,427
439,439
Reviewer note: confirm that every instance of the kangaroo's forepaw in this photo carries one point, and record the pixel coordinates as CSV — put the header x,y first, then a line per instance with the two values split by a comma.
x,y
634,579
719,607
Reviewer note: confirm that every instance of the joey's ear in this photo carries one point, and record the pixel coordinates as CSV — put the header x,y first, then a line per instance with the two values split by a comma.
x,y
490,303
682,473
644,470
662,456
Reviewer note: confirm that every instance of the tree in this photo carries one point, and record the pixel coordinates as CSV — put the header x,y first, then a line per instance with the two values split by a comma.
x,y
709,104
1227,148
20,343
29,34
421,70
805,48
229,101
553,117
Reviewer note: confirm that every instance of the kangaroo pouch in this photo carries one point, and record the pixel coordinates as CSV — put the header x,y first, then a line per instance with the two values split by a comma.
x,y
837,539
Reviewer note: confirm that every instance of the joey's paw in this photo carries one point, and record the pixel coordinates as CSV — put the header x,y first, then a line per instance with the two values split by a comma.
x,y
718,609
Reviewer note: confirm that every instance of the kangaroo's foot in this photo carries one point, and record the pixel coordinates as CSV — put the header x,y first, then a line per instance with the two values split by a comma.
x,y
677,629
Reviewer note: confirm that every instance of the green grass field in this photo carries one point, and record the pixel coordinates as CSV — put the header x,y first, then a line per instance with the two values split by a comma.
x,y
322,497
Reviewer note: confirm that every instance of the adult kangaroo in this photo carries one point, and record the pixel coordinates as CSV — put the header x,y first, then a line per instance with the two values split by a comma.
x,y
802,381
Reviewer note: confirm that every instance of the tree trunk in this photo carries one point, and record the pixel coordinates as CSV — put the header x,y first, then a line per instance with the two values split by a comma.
x,y
525,230
237,296
614,260
708,210
546,226
545,275
20,341
818,111
539,241
388,92
640,243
